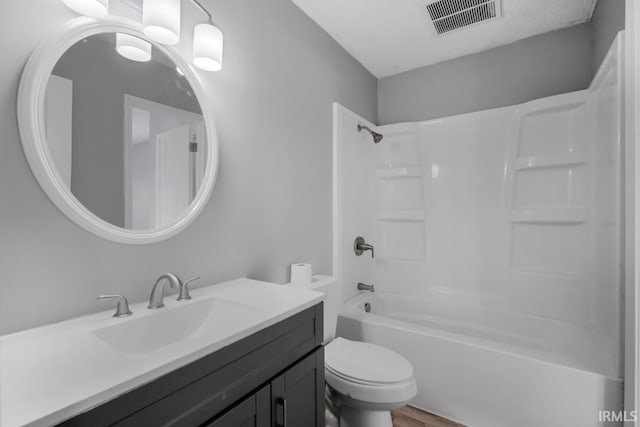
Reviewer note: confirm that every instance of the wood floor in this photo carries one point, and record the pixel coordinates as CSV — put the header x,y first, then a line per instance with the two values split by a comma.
x,y
412,417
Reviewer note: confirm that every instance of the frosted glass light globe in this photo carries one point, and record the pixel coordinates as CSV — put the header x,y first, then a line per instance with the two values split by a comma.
x,y
161,20
133,48
207,47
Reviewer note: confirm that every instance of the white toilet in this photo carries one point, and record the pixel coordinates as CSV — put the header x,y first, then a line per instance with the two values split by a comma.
x,y
364,381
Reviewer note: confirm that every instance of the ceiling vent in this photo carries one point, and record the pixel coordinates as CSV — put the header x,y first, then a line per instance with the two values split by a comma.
x,y
449,15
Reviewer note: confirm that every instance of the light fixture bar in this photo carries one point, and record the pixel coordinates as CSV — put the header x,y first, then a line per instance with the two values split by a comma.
x,y
161,20
197,3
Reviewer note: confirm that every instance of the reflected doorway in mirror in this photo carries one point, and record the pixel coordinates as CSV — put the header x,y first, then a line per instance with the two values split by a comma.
x,y
164,162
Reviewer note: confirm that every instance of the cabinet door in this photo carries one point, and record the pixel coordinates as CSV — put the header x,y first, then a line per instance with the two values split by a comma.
x,y
255,411
297,396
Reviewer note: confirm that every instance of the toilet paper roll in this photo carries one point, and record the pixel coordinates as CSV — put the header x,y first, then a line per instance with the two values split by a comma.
x,y
300,274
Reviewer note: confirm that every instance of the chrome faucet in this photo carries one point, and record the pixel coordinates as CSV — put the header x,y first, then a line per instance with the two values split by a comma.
x,y
365,287
157,293
359,246
122,310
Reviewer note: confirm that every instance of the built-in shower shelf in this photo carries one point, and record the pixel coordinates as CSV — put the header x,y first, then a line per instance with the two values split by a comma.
x,y
539,162
391,173
549,216
398,215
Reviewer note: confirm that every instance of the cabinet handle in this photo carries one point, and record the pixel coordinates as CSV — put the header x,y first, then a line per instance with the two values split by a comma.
x,y
283,403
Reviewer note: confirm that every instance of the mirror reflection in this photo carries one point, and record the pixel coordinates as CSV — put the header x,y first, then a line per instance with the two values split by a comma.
x,y
125,131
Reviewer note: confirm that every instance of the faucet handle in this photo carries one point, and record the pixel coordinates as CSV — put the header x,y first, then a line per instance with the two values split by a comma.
x,y
366,287
122,310
184,290
359,246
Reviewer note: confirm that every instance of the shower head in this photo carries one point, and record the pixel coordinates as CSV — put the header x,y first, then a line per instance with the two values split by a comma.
x,y
376,136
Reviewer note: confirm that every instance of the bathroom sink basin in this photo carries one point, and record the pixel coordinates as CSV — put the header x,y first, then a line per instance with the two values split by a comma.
x,y
48,374
171,325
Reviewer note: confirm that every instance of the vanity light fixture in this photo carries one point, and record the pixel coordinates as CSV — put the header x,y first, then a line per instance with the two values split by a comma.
x,y
161,20
161,23
133,48
208,43
207,47
93,8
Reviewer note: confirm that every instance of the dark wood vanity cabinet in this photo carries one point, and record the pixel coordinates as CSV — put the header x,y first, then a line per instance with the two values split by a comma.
x,y
289,400
297,395
274,377
254,411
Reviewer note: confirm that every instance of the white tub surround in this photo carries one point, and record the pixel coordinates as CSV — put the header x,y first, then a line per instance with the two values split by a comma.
x,y
51,373
503,228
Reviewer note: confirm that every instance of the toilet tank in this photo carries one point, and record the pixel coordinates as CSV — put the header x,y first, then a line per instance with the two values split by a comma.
x,y
332,302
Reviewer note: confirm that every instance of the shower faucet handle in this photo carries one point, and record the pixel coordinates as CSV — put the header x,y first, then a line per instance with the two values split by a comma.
x,y
359,246
366,287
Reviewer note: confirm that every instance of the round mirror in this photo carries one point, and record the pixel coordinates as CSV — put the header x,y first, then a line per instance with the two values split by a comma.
x,y
116,130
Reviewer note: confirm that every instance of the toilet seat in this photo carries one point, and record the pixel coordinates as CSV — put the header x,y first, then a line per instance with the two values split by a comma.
x,y
368,373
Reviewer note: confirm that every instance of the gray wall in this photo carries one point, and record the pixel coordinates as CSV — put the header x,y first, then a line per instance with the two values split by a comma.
x,y
101,78
272,202
544,65
607,20
549,64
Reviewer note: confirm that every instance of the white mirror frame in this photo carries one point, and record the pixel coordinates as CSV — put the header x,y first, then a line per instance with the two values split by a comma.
x,y
30,109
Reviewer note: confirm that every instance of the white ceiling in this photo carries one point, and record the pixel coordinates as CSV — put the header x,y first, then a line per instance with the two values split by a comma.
x,y
392,36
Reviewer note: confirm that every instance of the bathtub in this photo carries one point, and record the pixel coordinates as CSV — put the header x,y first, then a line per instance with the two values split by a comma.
x,y
486,368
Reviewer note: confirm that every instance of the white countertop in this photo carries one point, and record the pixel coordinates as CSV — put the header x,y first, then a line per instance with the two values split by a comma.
x,y
51,373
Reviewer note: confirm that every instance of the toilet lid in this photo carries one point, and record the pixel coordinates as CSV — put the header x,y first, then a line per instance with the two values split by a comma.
x,y
363,362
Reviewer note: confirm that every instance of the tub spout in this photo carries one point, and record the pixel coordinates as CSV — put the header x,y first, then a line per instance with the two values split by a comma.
x,y
365,287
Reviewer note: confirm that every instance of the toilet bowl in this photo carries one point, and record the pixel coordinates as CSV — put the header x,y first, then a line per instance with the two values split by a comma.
x,y
364,381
